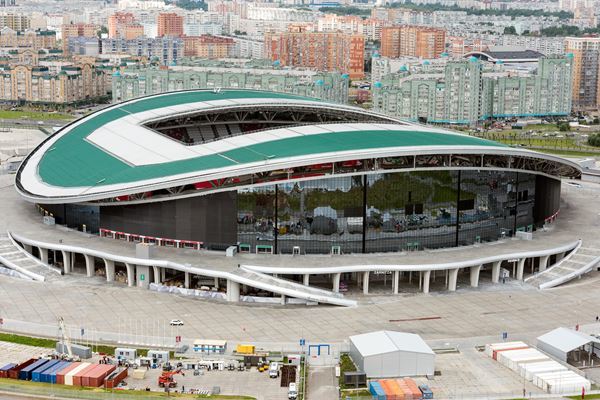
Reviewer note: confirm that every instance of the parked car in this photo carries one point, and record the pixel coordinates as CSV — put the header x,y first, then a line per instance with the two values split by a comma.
x,y
176,322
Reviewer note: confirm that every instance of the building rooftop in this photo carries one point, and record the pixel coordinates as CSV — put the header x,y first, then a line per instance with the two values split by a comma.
x,y
382,342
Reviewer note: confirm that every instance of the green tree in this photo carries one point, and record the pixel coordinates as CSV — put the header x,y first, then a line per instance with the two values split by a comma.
x,y
564,127
510,30
102,30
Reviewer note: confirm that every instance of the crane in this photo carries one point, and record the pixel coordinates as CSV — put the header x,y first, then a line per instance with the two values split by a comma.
x,y
65,336
166,379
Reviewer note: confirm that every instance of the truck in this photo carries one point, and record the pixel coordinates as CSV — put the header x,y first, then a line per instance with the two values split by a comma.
x,y
273,370
292,391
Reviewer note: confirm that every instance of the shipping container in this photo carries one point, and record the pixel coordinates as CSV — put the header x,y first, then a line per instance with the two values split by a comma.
x,y
513,358
13,373
426,392
388,389
416,393
114,378
36,375
85,377
408,395
96,377
25,373
496,352
528,371
561,382
78,377
245,349
69,377
376,391
60,375
49,376
489,348
398,390
4,370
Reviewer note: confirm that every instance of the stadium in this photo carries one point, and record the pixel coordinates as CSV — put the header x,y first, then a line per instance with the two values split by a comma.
x,y
278,173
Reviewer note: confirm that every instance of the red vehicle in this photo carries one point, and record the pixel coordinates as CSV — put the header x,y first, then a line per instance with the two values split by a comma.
x,y
166,379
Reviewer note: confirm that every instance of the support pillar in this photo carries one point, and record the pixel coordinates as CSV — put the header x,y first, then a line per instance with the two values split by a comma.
x,y
410,277
89,265
110,270
420,279
543,263
43,255
452,278
396,281
66,261
366,282
306,279
233,291
496,271
163,274
336,282
217,284
426,276
130,274
156,273
475,275
520,268
142,276
283,299
186,283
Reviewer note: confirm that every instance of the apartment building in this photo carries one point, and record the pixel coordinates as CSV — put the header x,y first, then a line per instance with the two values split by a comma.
x,y
16,22
124,24
35,40
164,50
207,46
170,24
412,41
585,52
321,51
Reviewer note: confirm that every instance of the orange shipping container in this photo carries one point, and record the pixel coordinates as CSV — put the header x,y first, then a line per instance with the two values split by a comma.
x,y
397,390
405,389
78,377
97,376
388,390
416,392
60,375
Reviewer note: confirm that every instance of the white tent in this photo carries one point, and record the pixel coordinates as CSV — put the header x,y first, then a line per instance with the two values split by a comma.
x,y
561,341
386,354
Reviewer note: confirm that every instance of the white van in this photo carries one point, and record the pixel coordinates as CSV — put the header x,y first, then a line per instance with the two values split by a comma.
x,y
292,391
273,370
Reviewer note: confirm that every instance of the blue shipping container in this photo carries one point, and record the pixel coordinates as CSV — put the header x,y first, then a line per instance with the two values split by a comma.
x,y
36,374
7,367
377,391
50,375
25,373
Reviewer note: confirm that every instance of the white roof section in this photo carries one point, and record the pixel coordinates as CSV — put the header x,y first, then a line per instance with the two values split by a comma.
x,y
565,339
382,342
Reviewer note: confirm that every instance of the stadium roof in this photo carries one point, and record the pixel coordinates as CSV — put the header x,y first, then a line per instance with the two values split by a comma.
x,y
112,152
507,53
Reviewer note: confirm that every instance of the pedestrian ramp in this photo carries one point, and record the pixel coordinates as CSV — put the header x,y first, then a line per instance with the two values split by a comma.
x,y
289,288
581,260
13,257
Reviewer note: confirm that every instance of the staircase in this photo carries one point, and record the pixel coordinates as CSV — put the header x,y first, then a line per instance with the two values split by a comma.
x,y
581,261
14,257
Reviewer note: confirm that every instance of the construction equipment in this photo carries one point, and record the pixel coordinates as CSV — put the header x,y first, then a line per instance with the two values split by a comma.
x,y
62,330
166,379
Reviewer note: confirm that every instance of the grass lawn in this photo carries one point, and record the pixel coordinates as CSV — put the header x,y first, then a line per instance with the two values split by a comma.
x,y
568,153
35,115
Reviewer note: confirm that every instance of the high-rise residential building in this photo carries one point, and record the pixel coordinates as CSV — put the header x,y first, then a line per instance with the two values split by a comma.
x,y
369,27
469,91
77,30
170,24
16,22
412,41
585,52
35,40
133,81
72,84
207,46
165,50
124,24
331,51
8,3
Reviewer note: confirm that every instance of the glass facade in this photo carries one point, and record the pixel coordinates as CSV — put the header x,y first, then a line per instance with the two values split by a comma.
x,y
386,211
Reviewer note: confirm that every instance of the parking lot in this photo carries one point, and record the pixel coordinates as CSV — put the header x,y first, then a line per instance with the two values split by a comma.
x,y
248,383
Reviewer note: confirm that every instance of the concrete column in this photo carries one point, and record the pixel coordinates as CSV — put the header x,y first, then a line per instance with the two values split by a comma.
x,y
410,277
359,279
396,281
186,283
520,268
110,270
283,299
336,282
426,276
496,271
452,278
163,274
66,261
475,275
306,279
142,276
130,274
156,273
28,248
366,282
543,263
420,279
233,291
43,255
89,265
217,284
